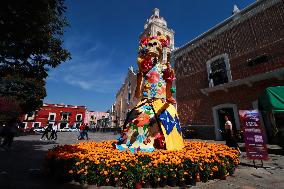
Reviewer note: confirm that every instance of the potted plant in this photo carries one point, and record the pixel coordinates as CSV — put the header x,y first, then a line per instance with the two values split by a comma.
x,y
172,178
163,175
180,176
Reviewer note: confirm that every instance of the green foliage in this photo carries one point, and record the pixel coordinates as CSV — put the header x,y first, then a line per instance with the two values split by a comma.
x,y
9,109
30,44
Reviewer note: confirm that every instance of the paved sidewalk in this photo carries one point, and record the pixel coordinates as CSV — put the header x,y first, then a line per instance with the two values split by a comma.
x,y
21,168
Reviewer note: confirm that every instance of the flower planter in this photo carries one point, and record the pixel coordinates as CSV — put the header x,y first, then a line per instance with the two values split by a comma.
x,y
222,176
163,183
197,177
190,181
117,184
172,182
153,182
147,185
138,185
96,172
181,183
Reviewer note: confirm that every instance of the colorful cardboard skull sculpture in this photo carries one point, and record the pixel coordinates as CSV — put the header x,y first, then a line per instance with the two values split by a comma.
x,y
154,48
153,123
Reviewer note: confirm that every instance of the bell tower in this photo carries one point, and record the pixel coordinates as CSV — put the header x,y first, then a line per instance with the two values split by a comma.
x,y
157,25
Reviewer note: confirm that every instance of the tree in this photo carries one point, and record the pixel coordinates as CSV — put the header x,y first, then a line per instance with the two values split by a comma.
x,y
30,44
9,108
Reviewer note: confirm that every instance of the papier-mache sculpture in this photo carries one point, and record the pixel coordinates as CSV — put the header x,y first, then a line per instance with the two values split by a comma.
x,y
153,123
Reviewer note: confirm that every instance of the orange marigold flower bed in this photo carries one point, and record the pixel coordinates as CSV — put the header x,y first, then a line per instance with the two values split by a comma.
x,y
99,163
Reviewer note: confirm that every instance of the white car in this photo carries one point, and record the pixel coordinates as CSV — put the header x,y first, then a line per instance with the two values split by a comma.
x,y
66,129
39,130
74,129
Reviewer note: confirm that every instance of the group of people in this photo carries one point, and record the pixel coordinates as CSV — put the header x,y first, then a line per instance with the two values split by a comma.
x,y
83,132
52,129
49,128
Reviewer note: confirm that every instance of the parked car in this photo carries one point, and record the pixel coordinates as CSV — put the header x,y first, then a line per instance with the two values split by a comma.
x,y
39,130
65,129
74,129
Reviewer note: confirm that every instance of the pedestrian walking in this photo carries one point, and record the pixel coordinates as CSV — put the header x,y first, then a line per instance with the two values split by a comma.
x,y
9,132
229,135
85,131
81,132
47,129
53,135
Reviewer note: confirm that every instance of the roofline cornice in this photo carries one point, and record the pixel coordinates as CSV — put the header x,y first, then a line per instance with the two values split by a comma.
x,y
228,23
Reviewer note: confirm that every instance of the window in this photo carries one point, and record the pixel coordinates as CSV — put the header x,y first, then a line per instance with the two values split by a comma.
x,y
258,60
51,116
37,125
64,116
218,70
129,97
79,117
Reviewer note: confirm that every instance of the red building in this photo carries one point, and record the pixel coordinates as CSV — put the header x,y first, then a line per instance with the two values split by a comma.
x,y
62,115
226,68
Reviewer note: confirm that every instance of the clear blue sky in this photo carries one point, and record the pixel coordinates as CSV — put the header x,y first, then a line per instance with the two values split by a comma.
x,y
103,41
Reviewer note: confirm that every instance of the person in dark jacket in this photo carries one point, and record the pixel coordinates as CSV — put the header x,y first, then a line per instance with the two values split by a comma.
x,y
9,132
47,129
85,131
53,135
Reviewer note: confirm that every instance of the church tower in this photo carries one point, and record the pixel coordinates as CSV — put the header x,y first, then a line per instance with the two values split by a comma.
x,y
157,25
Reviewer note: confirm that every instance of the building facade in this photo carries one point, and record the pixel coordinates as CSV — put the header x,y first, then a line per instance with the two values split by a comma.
x,y
92,117
226,68
125,99
64,116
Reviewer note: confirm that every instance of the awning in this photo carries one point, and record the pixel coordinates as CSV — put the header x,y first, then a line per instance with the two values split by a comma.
x,y
272,99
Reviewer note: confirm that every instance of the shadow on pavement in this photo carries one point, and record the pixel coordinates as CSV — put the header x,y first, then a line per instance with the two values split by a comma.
x,y
22,167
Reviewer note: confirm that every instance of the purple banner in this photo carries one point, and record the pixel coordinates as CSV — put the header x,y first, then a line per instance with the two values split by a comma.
x,y
253,135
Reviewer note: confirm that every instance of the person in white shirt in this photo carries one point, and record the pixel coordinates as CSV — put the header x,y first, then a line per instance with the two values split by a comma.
x,y
53,135
229,135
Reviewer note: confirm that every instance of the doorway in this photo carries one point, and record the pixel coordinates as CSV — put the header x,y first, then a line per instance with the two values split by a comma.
x,y
219,112
229,112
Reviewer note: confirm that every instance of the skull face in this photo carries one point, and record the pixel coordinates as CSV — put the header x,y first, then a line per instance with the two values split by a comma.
x,y
154,48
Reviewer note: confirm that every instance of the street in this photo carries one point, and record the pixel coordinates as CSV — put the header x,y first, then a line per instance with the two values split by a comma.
x,y
22,166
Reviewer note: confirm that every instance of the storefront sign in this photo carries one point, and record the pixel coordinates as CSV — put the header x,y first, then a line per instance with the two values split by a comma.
x,y
253,135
